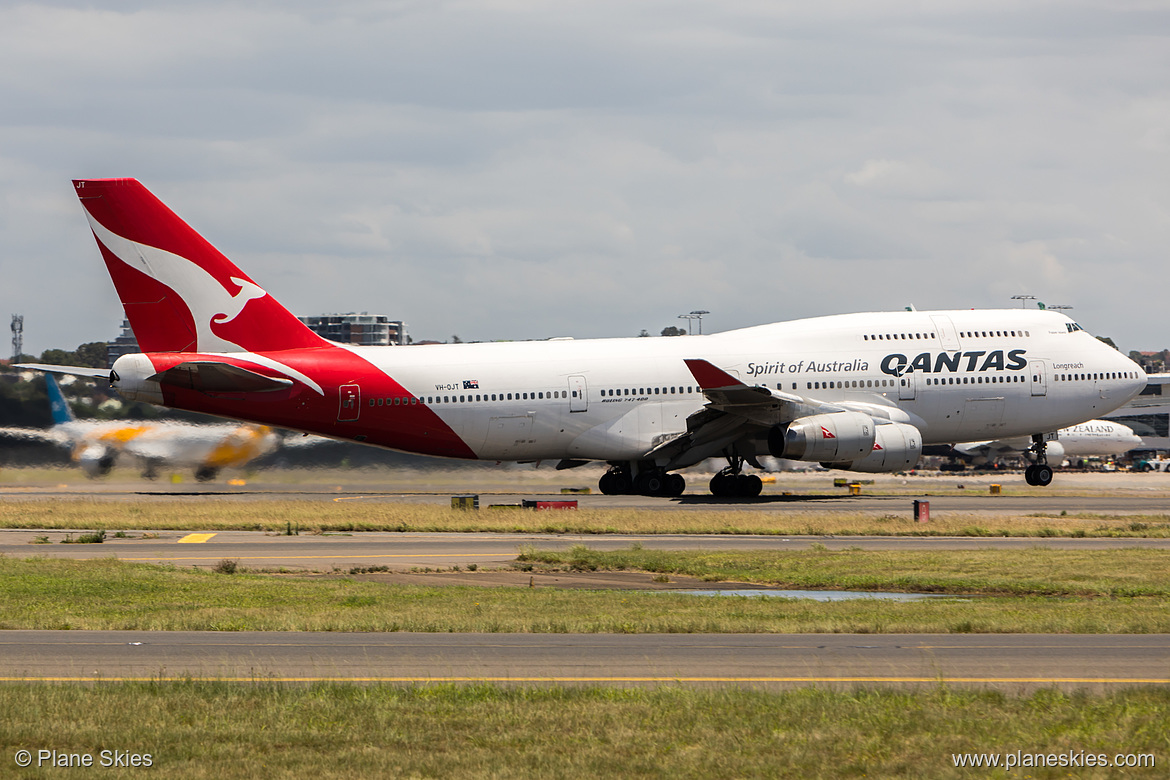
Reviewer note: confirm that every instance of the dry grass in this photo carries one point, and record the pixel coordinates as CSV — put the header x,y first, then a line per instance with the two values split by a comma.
x,y
209,729
108,594
1031,572
221,513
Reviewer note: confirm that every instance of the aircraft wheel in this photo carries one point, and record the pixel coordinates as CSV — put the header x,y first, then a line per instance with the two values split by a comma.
x,y
651,483
720,487
749,485
614,483
1043,475
675,485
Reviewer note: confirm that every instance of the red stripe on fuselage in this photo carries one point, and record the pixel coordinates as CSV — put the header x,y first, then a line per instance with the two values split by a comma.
x,y
411,427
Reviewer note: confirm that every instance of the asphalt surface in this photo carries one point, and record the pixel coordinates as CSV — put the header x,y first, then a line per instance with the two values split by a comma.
x,y
1004,662
406,551
966,494
1007,662
972,504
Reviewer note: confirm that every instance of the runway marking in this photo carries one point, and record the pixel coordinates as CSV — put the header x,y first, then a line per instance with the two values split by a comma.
x,y
195,538
557,680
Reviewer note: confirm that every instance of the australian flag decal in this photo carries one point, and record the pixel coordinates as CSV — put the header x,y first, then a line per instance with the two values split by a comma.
x,y
470,384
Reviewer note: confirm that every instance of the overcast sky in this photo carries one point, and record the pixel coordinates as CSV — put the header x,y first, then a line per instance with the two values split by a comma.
x,y
511,170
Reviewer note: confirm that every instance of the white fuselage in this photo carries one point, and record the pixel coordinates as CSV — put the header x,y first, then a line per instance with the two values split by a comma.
x,y
956,376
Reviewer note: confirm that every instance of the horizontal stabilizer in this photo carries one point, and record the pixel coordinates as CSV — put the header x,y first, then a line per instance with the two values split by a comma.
x,y
96,373
209,377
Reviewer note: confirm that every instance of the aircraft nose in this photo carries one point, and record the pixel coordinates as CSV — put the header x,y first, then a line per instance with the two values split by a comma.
x,y
1134,386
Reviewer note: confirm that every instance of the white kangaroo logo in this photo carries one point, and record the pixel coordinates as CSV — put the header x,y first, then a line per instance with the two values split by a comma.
x,y
204,295
248,292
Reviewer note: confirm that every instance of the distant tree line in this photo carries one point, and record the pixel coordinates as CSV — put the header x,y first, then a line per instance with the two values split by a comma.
x,y
26,404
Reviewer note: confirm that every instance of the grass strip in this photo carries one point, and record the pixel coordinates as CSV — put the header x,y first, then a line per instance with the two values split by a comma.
x,y
1035,572
109,594
221,513
207,729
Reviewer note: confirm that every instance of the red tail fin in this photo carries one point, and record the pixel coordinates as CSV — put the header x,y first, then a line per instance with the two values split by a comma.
x,y
180,294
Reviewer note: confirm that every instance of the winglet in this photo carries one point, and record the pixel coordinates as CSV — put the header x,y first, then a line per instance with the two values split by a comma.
x,y
710,377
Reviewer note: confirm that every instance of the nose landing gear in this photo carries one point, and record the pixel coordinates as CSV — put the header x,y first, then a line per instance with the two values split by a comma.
x,y
1039,474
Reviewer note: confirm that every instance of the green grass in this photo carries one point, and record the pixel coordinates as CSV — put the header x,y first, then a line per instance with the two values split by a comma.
x,y
221,513
208,729
108,594
1035,572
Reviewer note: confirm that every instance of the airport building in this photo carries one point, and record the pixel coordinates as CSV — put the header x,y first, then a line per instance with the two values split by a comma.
x,y
126,344
370,330
365,329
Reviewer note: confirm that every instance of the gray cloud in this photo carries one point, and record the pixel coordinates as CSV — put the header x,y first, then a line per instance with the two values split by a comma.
x,y
519,169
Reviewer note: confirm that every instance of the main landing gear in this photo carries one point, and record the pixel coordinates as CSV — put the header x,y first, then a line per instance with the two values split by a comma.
x,y
1039,474
650,482
731,482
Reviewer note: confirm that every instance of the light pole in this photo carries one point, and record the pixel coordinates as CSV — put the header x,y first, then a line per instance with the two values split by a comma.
x,y
699,315
1023,299
690,317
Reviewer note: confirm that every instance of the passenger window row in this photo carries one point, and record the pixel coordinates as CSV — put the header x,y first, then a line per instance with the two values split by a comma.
x,y
979,379
636,391
966,334
470,398
1096,376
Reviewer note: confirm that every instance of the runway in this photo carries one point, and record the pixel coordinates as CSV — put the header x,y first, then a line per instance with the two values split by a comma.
x,y
402,551
968,495
1005,662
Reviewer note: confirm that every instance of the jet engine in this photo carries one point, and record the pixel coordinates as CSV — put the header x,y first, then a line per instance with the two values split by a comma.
x,y
835,437
896,446
94,459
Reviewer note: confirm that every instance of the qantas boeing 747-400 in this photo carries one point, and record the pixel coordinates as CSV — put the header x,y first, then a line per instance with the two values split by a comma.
x,y
862,392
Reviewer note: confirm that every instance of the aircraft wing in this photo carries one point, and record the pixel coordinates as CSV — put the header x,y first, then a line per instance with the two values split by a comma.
x,y
96,373
24,435
736,410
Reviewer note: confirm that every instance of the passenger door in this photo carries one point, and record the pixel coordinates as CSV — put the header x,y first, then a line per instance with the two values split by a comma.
x,y
1039,377
578,394
349,404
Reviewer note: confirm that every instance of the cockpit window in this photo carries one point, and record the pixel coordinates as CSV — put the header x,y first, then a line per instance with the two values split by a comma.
x,y
1072,327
